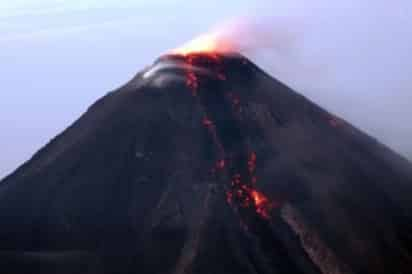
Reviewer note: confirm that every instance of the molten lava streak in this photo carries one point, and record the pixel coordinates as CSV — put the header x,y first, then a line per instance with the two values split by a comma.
x,y
241,192
246,195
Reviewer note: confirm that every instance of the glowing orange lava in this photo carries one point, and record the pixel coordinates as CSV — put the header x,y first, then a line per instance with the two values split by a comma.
x,y
262,203
242,191
247,196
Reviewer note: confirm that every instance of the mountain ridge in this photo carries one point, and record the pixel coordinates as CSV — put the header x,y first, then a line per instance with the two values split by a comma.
x,y
205,163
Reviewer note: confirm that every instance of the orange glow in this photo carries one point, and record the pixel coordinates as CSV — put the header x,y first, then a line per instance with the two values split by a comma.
x,y
258,197
206,43
261,203
242,190
246,195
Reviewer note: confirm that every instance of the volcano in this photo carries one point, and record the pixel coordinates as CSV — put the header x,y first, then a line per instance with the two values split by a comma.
x,y
202,164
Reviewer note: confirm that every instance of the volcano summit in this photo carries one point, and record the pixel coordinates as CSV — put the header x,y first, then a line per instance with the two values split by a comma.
x,y
202,164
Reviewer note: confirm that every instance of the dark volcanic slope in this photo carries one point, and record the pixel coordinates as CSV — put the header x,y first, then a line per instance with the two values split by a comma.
x,y
204,164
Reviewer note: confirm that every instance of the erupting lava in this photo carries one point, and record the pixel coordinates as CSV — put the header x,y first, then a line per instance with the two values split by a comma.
x,y
241,190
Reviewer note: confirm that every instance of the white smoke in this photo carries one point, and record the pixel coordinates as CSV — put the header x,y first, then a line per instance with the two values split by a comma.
x,y
357,65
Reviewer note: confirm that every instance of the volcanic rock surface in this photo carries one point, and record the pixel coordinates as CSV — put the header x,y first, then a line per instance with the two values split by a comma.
x,y
204,164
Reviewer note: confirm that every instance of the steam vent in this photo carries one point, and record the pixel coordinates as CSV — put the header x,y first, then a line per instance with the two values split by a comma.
x,y
204,164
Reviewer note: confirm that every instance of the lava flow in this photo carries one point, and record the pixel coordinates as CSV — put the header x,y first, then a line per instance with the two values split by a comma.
x,y
241,192
246,194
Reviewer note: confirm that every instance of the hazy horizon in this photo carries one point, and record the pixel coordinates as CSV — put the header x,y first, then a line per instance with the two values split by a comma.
x,y
58,57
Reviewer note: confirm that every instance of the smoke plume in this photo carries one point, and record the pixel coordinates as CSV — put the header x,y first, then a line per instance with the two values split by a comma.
x,y
359,68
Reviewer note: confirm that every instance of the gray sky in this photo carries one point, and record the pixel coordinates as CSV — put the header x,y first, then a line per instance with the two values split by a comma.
x,y
58,56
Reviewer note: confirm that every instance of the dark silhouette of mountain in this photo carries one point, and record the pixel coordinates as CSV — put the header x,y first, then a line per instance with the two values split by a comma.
x,y
204,164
